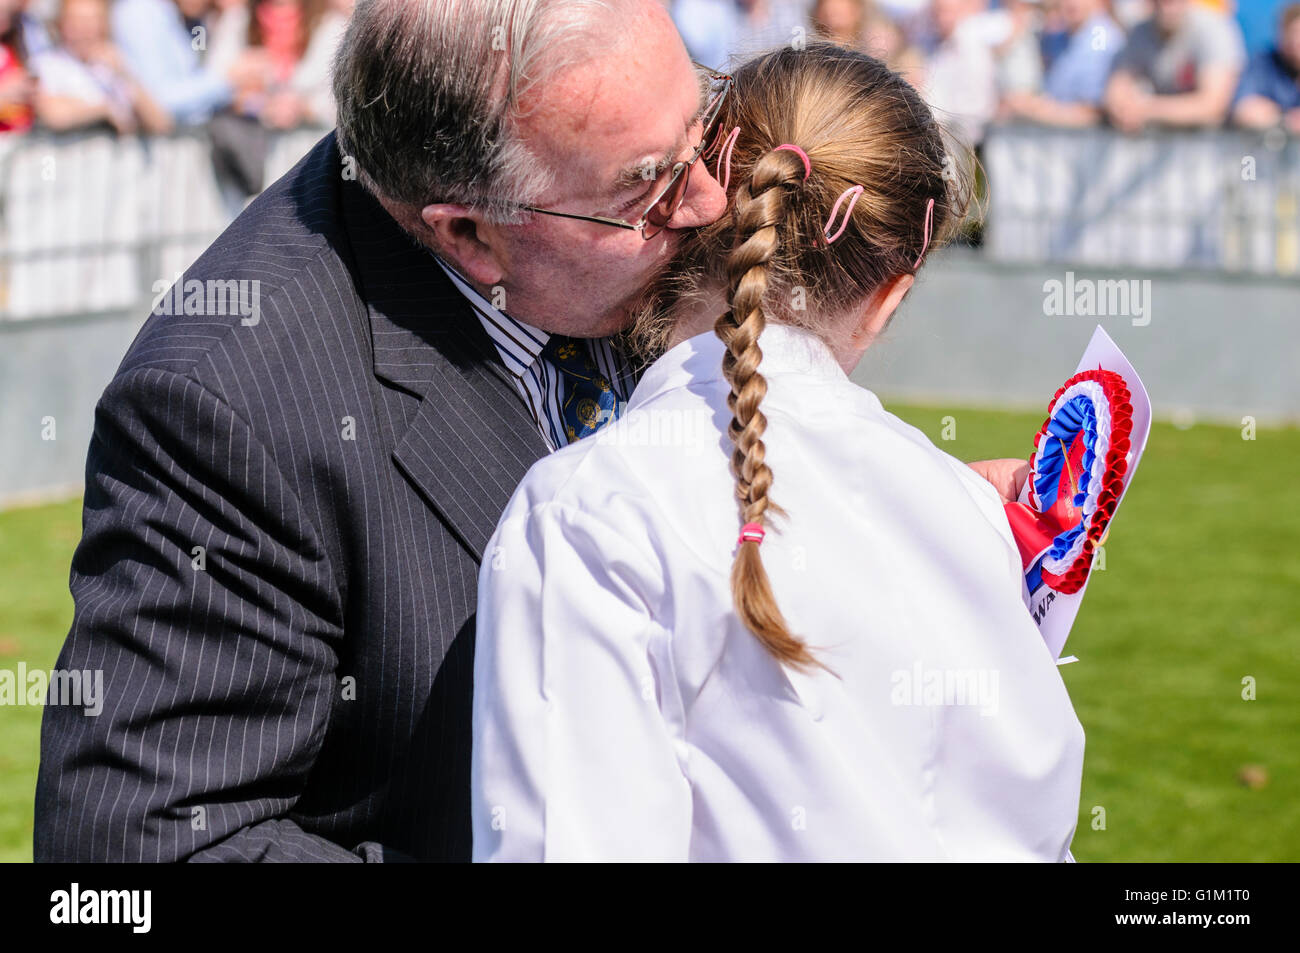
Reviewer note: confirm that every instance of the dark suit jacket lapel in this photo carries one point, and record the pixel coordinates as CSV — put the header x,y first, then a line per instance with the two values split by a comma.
x,y
472,440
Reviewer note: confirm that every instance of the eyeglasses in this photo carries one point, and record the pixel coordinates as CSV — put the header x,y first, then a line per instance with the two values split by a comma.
x,y
668,200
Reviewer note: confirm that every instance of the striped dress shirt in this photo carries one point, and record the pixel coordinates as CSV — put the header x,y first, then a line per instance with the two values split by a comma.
x,y
536,378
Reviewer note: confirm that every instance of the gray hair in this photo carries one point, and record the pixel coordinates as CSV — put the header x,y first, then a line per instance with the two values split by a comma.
x,y
428,94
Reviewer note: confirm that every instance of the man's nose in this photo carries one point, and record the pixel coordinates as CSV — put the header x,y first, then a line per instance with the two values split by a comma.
x,y
704,201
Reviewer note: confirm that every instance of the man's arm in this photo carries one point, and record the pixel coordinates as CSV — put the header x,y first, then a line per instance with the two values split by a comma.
x,y
1050,112
208,602
1121,100
1256,112
187,97
1206,106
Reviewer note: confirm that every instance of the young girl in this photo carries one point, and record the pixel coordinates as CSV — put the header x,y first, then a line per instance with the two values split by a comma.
x,y
758,617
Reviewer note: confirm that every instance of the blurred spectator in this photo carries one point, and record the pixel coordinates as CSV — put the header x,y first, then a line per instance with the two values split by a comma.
x,y
163,53
1270,89
36,38
17,88
716,30
707,28
886,40
1076,81
83,80
1179,68
913,20
1129,13
900,11
859,25
1012,30
282,54
841,21
282,57
194,14
1054,35
1258,19
961,77
227,26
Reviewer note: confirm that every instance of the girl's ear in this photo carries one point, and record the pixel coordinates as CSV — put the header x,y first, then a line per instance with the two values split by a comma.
x,y
879,308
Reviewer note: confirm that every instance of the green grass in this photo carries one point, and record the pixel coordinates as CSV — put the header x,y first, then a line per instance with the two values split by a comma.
x,y
1202,588
35,611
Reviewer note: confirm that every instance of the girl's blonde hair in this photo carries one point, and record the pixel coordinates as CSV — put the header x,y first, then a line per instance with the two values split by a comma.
x,y
859,124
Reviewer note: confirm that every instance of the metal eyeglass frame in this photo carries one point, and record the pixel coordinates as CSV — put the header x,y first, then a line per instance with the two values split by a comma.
x,y
680,170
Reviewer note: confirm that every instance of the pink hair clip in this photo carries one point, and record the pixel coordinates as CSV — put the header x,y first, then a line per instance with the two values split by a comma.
x,y
724,156
751,533
929,222
853,190
852,193
807,164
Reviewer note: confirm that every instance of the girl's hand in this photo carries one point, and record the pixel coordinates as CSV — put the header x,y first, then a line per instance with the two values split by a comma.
x,y
1007,475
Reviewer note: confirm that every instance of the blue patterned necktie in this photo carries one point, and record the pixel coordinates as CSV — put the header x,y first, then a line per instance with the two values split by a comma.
x,y
587,401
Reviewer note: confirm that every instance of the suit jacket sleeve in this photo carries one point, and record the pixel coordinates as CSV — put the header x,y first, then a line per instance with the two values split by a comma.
x,y
211,607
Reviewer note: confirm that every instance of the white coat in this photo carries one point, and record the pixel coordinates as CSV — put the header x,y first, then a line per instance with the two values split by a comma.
x,y
623,712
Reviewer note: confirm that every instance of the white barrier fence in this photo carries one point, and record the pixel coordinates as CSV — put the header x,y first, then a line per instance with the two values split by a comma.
x,y
88,223
1214,200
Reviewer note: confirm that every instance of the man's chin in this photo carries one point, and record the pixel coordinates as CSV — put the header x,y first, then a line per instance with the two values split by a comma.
x,y
620,316
653,283
614,322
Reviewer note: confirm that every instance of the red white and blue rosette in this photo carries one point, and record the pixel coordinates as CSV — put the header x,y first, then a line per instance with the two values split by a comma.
x,y
1076,480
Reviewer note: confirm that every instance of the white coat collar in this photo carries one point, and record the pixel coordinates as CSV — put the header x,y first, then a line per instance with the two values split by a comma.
x,y
698,360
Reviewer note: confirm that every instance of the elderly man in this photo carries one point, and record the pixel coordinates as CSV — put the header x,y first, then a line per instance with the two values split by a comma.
x,y
287,501
300,461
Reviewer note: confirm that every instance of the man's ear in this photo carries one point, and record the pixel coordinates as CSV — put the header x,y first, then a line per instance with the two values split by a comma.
x,y
470,243
879,307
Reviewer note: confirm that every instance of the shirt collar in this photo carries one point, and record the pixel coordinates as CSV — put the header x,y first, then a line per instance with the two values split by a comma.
x,y
519,344
697,360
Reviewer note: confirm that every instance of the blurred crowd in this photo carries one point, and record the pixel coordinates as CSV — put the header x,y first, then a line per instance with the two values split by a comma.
x,y
243,67
155,65
1130,63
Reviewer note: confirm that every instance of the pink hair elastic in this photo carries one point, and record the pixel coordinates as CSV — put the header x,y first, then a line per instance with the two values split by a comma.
x,y
807,164
724,156
855,191
929,222
852,193
751,533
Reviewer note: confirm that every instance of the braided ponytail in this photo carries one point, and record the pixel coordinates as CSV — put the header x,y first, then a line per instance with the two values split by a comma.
x,y
864,130
760,205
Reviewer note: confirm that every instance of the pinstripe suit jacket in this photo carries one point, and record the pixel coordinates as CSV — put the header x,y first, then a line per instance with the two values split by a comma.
x,y
283,522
